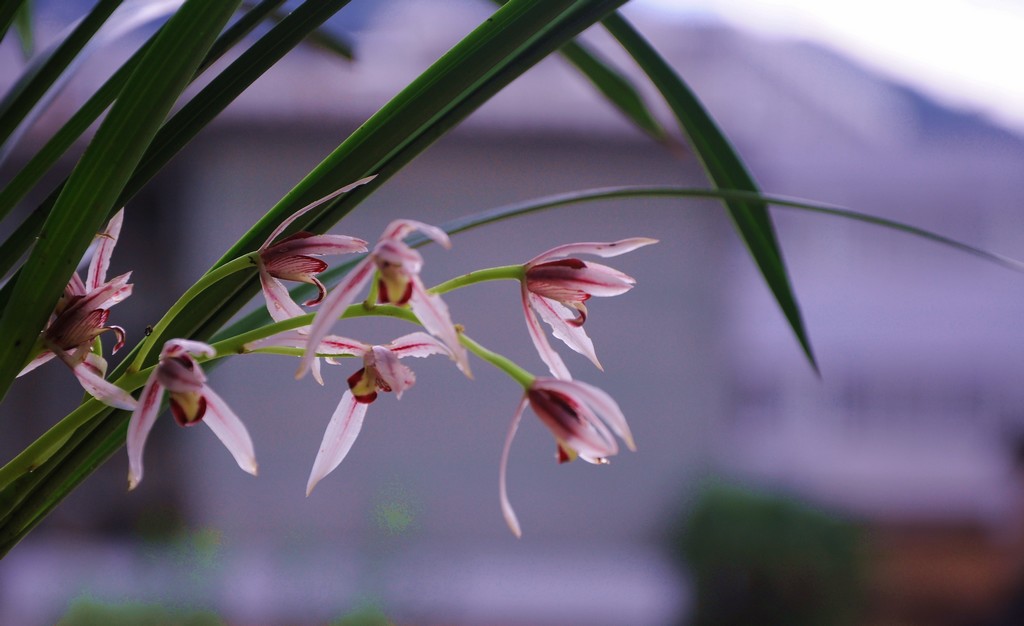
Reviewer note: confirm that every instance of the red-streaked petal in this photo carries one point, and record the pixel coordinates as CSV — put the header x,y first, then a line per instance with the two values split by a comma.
x,y
418,344
602,249
39,359
433,314
333,306
198,348
75,287
540,341
571,422
603,404
399,229
279,302
119,335
321,291
295,267
396,376
312,205
139,426
316,245
180,373
573,335
105,248
230,430
506,505
577,284
96,386
341,433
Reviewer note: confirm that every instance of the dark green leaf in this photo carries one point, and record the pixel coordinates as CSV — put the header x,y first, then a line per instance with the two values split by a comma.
x,y
45,70
615,87
724,167
23,25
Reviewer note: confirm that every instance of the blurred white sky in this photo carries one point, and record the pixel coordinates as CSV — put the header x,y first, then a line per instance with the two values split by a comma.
x,y
964,53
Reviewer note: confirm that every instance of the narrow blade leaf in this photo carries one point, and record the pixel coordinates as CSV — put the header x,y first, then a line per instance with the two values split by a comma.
x,y
724,167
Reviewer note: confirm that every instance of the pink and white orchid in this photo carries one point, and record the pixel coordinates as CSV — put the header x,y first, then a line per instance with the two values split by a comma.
x,y
556,285
381,371
192,401
397,267
580,416
295,258
81,315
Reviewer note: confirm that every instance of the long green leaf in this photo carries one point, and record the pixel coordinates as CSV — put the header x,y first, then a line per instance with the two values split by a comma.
x,y
614,85
23,25
724,167
98,179
322,39
33,84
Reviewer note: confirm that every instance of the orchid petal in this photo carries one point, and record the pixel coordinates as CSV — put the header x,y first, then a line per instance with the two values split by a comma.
x,y
572,335
312,205
38,360
310,244
341,433
418,344
577,283
570,419
139,425
100,388
226,425
603,404
399,229
332,308
105,296
89,369
396,376
540,341
75,287
101,258
601,249
506,505
279,303
335,345
103,390
433,314
295,267
198,348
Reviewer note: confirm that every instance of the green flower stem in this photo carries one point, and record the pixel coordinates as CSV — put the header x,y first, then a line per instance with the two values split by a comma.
x,y
241,263
236,344
42,448
505,364
505,272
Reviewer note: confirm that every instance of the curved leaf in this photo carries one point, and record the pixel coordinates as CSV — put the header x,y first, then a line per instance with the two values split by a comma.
x,y
724,167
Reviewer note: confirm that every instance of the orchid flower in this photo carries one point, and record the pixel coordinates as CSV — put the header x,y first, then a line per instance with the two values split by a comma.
x,y
192,401
580,416
556,285
81,315
397,267
294,258
381,371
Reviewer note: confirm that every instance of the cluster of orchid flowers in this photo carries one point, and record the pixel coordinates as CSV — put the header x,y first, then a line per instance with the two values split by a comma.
x,y
555,287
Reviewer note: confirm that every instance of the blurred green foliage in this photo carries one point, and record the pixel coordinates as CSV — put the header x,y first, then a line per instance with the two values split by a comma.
x,y
86,611
761,559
